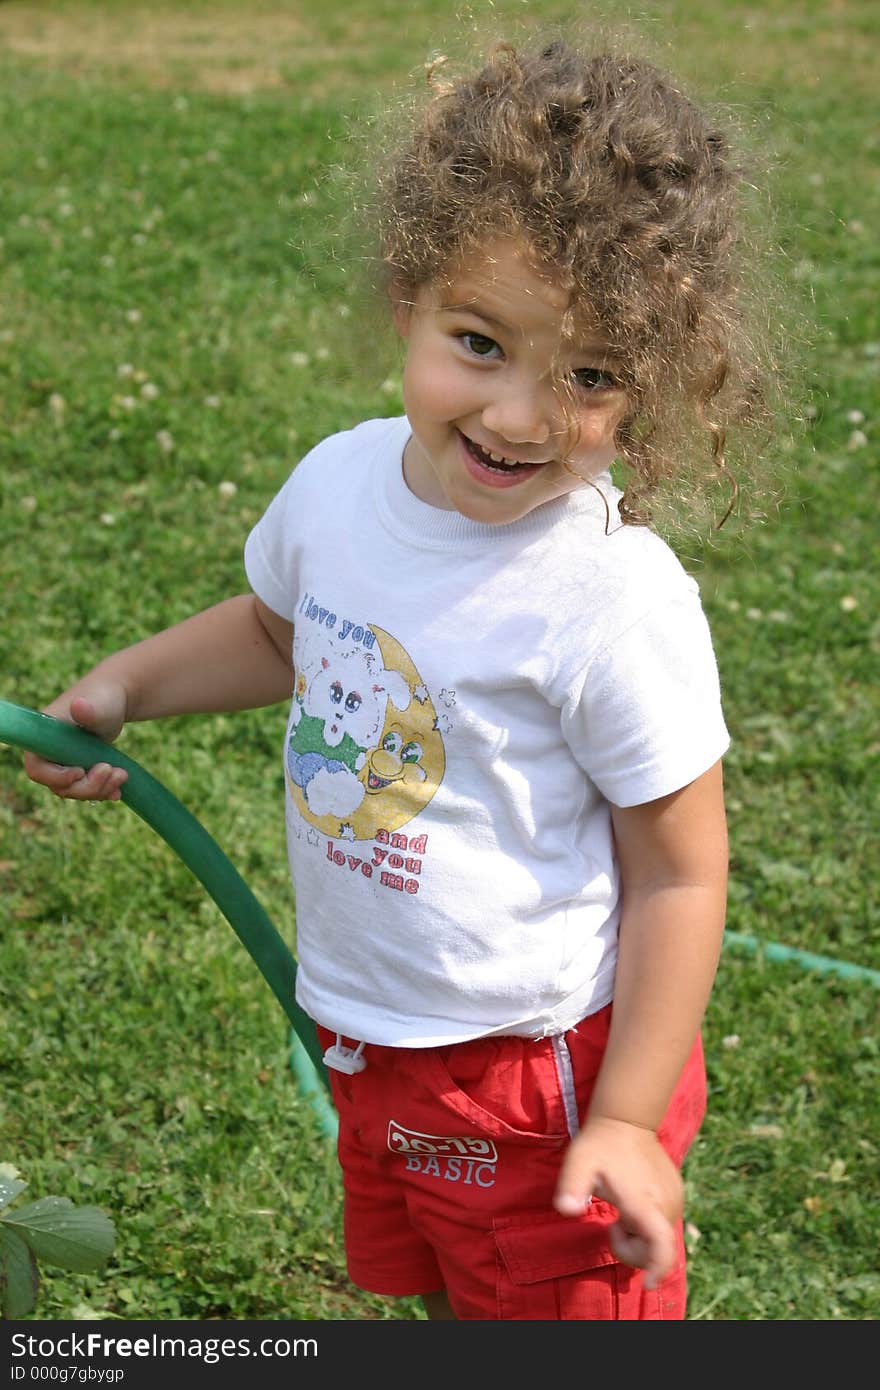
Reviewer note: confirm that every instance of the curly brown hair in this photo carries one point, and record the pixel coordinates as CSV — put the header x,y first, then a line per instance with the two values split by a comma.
x,y
629,195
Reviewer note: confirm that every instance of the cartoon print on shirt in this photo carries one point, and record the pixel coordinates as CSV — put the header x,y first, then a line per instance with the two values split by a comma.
x,y
337,717
363,748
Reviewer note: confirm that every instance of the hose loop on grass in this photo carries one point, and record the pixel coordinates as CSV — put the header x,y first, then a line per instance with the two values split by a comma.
x,y
65,743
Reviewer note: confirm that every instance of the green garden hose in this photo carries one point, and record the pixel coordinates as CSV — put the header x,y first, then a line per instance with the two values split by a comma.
x,y
826,965
65,743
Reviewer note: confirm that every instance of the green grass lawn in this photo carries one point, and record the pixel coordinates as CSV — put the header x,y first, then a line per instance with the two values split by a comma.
x,y
178,325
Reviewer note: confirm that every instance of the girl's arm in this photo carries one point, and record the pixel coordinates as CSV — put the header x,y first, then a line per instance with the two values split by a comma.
x,y
673,861
236,655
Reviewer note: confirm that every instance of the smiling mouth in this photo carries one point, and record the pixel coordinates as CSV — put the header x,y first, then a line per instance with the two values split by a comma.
x,y
376,783
496,463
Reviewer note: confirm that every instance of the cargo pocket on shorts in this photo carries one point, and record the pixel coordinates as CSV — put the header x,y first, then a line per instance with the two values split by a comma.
x,y
553,1268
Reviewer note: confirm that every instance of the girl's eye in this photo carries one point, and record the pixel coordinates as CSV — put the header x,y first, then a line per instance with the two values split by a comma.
x,y
392,743
593,379
411,752
479,344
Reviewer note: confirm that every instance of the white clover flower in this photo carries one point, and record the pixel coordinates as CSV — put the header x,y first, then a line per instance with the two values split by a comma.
x,y
28,504
125,369
227,489
133,315
149,390
323,353
856,227
114,435
87,233
857,440
755,614
299,359
181,104
127,402
343,310
212,402
66,210
108,519
165,441
57,405
811,412
108,261
849,603
390,385
855,417
731,1040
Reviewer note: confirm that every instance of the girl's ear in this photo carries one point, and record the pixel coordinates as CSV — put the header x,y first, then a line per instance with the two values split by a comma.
x,y
401,313
401,307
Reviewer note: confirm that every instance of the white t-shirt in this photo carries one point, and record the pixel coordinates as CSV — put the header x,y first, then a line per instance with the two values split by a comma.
x,y
468,701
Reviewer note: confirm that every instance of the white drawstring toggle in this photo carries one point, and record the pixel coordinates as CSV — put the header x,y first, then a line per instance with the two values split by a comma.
x,y
345,1059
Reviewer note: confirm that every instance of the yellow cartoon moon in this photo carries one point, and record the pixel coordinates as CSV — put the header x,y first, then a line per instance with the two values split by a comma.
x,y
402,771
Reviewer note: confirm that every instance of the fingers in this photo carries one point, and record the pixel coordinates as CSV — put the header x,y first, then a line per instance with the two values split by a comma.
x,y
577,1179
643,1237
571,1203
625,1165
104,715
651,1248
82,712
103,782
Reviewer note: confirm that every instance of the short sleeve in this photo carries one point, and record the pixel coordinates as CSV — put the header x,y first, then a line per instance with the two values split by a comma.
x,y
647,717
268,553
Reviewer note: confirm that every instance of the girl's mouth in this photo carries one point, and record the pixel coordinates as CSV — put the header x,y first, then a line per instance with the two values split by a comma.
x,y
492,468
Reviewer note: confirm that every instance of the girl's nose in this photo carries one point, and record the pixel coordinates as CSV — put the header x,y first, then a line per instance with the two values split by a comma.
x,y
521,415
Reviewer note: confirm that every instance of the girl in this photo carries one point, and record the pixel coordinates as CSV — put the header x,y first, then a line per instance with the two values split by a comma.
x,y
503,755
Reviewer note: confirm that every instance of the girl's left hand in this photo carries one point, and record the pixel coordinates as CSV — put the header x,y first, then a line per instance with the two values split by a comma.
x,y
626,1165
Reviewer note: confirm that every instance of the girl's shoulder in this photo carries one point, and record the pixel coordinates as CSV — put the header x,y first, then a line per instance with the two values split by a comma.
x,y
605,577
626,555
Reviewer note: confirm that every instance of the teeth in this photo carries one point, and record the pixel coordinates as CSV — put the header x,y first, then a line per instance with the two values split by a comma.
x,y
498,460
491,459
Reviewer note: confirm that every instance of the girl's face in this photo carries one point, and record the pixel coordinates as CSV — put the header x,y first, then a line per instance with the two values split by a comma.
x,y
497,396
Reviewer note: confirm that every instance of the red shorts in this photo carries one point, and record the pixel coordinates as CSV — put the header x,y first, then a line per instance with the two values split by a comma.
x,y
450,1157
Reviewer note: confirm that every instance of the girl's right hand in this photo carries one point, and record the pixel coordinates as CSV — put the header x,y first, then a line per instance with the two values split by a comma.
x,y
102,710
